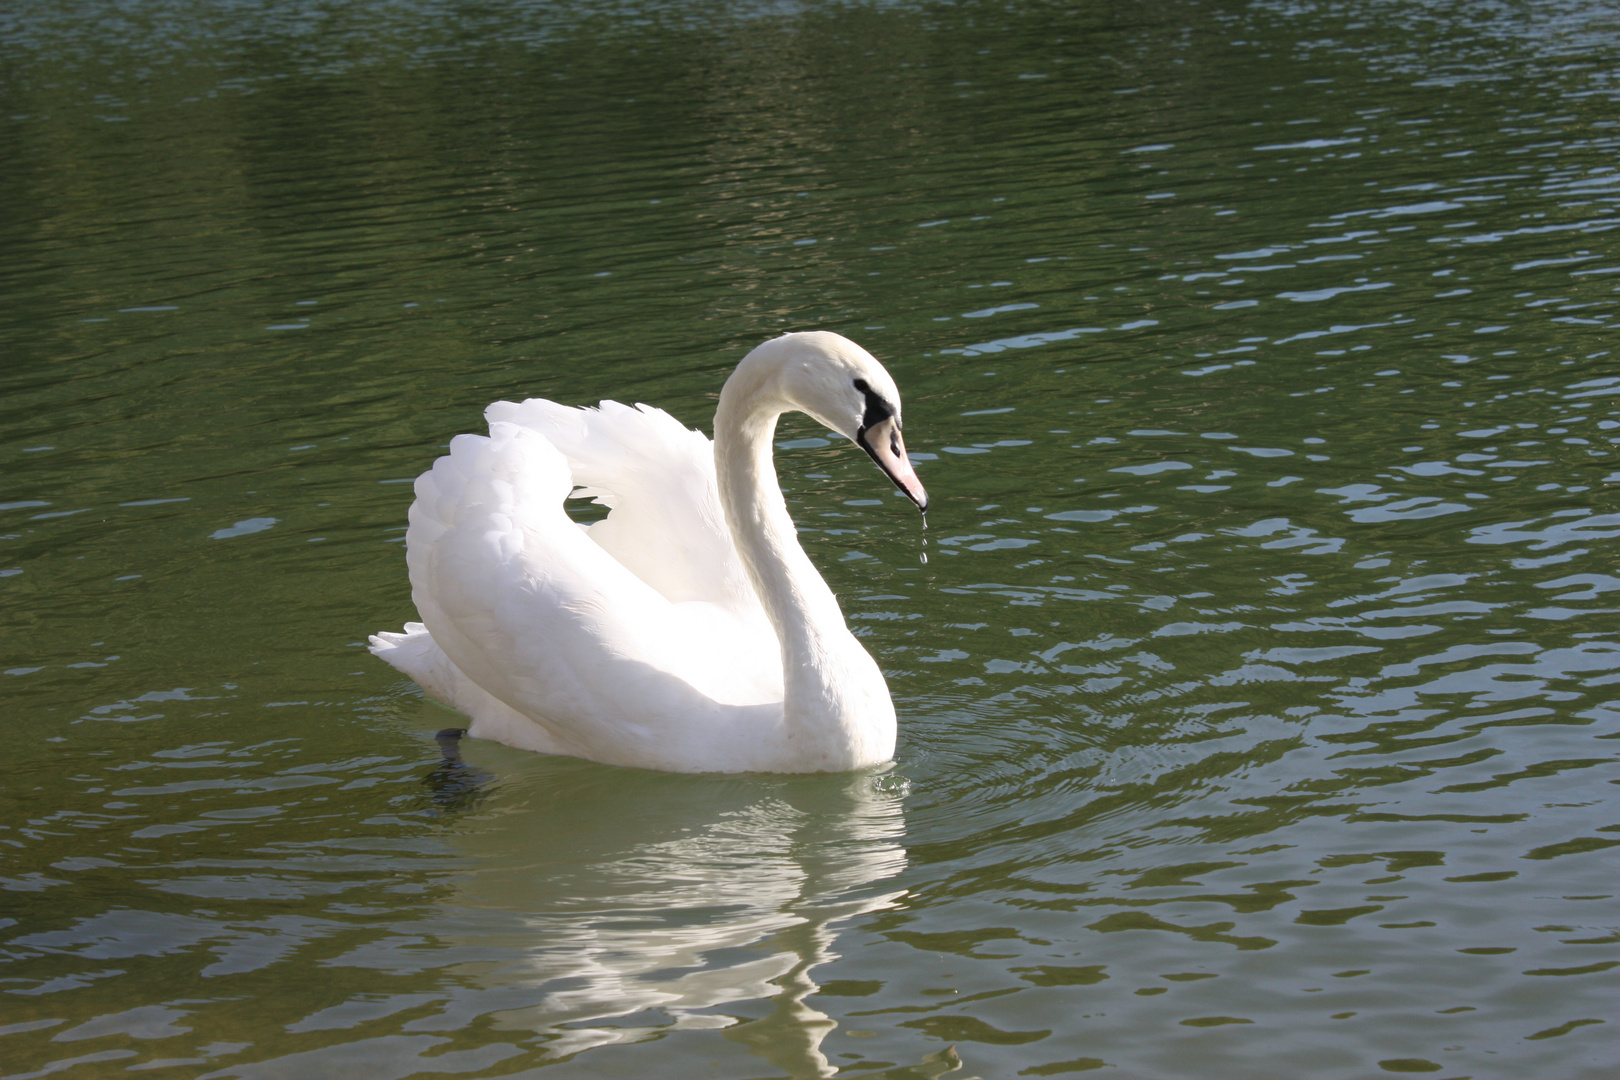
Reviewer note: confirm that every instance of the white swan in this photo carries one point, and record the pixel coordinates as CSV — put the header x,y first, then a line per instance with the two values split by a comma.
x,y
687,631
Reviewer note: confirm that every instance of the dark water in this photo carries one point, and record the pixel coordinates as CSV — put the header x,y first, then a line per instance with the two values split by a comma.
x,y
1258,696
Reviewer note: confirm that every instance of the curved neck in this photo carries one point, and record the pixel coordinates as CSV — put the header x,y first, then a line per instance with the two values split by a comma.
x,y
836,710
798,602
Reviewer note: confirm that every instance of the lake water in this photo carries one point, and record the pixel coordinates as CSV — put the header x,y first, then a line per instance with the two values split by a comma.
x,y
1259,693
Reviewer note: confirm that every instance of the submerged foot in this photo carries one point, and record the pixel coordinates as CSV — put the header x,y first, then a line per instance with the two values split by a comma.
x,y
453,784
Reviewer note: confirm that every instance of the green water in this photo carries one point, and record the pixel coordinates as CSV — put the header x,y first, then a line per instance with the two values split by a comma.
x,y
1259,691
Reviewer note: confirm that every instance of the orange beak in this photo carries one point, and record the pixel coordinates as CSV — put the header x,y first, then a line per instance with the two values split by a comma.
x,y
882,440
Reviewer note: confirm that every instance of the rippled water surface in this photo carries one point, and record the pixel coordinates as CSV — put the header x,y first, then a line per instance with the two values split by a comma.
x,y
1259,692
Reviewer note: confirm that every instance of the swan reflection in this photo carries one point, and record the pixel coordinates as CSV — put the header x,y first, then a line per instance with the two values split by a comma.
x,y
615,892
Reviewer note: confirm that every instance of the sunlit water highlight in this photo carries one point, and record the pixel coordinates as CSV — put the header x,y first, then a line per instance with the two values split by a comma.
x,y
1258,696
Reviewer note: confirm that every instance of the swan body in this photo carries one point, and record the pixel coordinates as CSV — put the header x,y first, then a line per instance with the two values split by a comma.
x,y
687,631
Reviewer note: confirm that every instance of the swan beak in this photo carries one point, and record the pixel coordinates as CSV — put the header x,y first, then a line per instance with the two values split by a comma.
x,y
882,440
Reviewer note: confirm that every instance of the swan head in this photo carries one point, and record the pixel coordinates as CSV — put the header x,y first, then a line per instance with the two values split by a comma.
x,y
841,385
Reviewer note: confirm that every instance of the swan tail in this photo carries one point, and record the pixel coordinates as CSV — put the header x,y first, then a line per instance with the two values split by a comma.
x,y
419,658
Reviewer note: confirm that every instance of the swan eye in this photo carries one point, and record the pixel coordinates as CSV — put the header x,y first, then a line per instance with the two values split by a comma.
x,y
877,410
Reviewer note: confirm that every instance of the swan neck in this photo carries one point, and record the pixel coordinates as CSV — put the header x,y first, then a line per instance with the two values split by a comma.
x,y
836,710
796,599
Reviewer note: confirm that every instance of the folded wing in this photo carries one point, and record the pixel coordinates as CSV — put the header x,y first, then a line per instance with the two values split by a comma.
x,y
657,475
564,631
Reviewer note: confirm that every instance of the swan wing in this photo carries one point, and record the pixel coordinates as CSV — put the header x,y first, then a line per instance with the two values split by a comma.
x,y
665,524
531,610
